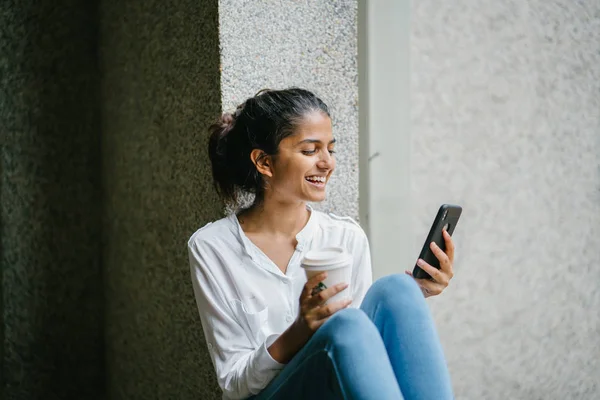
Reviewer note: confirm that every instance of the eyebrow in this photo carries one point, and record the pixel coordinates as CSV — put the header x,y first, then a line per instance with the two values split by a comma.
x,y
314,141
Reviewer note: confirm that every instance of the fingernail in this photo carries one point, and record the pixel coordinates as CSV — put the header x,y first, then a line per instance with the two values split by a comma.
x,y
420,262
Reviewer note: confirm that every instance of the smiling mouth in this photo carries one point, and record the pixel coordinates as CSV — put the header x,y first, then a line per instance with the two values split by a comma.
x,y
318,181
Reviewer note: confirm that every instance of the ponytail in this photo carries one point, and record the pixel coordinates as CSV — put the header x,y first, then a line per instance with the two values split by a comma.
x,y
217,152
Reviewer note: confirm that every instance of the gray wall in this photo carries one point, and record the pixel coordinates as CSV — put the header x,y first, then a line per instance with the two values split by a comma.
x,y
307,44
506,122
50,191
160,91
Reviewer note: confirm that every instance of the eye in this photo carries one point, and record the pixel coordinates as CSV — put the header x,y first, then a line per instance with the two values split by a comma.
x,y
309,152
332,151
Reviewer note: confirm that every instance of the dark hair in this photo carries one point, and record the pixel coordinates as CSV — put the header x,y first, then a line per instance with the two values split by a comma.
x,y
261,122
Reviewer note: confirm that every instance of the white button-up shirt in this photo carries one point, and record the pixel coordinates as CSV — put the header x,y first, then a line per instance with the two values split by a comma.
x,y
245,301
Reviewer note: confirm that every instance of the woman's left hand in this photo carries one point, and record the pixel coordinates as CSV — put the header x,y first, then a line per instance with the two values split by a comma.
x,y
440,277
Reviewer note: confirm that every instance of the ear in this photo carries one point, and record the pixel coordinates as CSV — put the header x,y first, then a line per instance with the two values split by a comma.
x,y
263,162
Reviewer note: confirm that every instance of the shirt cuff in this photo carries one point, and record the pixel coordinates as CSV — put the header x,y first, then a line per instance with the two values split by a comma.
x,y
264,358
264,365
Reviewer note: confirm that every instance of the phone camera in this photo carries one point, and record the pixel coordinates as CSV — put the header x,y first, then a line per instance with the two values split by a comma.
x,y
445,214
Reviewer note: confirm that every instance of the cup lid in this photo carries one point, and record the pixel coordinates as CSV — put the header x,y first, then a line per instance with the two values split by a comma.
x,y
329,256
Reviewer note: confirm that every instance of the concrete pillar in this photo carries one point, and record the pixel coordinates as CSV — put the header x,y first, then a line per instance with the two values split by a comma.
x,y
385,197
52,302
160,91
295,43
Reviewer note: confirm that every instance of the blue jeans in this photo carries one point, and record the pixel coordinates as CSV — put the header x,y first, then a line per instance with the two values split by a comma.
x,y
388,349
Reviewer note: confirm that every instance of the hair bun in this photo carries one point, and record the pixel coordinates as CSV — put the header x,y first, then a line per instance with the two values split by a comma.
x,y
226,123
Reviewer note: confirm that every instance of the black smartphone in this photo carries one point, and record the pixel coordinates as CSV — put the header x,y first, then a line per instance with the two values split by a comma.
x,y
446,218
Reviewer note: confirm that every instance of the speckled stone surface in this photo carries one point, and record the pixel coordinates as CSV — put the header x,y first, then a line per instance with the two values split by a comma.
x,y
506,122
50,192
310,44
160,90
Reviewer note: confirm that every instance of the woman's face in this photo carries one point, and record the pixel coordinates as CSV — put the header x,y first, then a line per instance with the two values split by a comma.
x,y
305,161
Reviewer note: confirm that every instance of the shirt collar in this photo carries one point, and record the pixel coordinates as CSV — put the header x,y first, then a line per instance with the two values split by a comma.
x,y
303,237
241,236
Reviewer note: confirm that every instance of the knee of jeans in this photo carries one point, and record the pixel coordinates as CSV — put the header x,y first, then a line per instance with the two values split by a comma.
x,y
398,287
348,326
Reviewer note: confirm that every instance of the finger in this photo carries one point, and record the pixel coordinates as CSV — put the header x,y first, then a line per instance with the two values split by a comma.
x,y
407,272
310,285
445,263
449,246
435,273
322,296
328,310
319,315
430,288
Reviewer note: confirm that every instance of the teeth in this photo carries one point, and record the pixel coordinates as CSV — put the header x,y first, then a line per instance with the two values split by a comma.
x,y
316,178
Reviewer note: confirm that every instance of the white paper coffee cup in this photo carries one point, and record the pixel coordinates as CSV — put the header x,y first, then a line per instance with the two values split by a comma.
x,y
338,265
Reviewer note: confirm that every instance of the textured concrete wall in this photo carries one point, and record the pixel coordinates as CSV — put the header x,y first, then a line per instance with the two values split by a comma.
x,y
506,122
50,191
307,44
160,90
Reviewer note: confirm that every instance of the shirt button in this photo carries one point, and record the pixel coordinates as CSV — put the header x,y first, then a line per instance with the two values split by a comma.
x,y
209,346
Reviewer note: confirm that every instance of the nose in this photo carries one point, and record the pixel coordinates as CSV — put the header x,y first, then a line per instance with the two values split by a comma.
x,y
326,160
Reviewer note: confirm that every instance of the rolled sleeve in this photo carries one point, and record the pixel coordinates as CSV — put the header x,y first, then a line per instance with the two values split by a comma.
x,y
264,365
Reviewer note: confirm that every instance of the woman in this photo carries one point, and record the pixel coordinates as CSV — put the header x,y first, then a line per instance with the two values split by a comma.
x,y
268,335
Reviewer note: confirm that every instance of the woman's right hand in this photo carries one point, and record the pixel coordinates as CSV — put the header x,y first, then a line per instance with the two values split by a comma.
x,y
313,313
313,310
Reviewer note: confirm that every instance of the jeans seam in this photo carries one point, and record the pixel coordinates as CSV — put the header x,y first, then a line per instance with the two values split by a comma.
x,y
337,375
